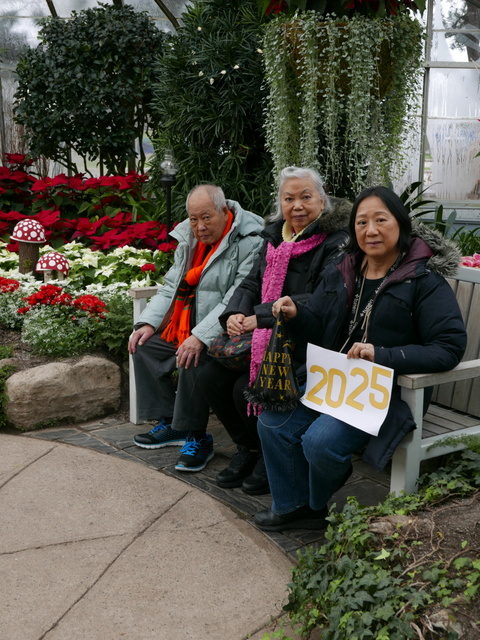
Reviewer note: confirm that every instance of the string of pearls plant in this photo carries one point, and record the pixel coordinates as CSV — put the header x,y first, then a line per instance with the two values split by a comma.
x,y
342,95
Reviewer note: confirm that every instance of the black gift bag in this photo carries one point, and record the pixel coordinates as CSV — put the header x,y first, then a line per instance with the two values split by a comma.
x,y
276,387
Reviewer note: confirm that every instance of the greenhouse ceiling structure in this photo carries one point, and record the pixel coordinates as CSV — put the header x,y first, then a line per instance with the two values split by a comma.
x,y
445,156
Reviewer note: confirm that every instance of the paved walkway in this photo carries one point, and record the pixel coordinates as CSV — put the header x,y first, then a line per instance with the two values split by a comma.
x,y
100,547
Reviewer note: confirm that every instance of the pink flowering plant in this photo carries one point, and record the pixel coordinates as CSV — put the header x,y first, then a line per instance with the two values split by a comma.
x,y
471,261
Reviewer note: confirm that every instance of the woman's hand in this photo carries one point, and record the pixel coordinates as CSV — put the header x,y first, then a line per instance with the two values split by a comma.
x,y
363,350
235,324
287,306
250,323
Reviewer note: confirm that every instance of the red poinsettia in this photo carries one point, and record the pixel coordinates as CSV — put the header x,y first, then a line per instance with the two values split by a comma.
x,y
276,6
7,285
53,295
18,158
92,305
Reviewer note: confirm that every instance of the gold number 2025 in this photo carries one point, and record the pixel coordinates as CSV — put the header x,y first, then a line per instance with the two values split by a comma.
x,y
328,379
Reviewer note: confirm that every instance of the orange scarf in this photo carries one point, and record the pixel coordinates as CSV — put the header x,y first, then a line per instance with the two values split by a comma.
x,y
178,329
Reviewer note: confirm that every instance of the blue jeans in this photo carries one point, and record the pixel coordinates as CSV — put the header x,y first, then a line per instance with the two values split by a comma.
x,y
307,456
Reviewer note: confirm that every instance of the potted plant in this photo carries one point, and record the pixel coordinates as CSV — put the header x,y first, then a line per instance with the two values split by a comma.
x,y
343,82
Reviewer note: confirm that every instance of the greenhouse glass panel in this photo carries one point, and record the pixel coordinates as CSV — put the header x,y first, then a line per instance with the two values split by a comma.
x,y
451,170
456,32
29,8
65,7
11,138
453,134
461,14
16,35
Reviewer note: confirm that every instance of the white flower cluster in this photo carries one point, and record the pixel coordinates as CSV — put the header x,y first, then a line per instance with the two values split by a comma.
x,y
123,265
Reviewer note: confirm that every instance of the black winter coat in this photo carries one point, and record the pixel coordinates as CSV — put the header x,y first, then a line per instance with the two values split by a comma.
x,y
303,274
415,323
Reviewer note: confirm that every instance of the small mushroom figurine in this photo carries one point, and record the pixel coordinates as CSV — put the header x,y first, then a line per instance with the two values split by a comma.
x,y
29,234
54,265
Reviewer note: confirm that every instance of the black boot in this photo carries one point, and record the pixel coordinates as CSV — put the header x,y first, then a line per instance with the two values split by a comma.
x,y
257,483
241,465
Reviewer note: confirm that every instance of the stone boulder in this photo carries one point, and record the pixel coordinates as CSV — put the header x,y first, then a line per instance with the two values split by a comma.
x,y
76,390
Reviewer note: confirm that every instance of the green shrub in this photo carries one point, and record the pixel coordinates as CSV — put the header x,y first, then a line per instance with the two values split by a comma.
x,y
87,86
361,585
5,372
65,330
209,99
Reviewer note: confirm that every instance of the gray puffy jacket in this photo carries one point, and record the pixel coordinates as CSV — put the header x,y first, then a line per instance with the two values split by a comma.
x,y
224,271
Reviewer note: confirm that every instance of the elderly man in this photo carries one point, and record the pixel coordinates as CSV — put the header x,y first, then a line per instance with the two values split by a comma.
x,y
217,247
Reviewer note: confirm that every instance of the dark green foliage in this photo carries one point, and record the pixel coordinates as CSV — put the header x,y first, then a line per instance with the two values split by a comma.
x,y
113,333
362,585
5,372
209,100
88,86
6,351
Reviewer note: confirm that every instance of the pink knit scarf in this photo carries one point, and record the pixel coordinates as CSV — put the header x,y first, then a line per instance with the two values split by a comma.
x,y
277,265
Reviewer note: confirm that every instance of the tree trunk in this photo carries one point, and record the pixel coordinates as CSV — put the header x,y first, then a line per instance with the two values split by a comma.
x,y
28,253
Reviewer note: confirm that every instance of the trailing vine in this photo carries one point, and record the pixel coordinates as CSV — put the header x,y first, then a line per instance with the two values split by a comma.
x,y
342,94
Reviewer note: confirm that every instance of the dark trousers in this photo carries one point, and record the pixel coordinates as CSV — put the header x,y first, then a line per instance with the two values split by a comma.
x,y
223,389
154,364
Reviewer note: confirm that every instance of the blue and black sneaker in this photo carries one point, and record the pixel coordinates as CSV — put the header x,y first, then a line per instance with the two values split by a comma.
x,y
162,435
195,454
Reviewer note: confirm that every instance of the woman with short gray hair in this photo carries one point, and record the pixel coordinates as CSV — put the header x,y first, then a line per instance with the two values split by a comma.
x,y
305,234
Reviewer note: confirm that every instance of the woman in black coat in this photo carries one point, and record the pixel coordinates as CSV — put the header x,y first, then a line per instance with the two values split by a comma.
x,y
386,301
306,234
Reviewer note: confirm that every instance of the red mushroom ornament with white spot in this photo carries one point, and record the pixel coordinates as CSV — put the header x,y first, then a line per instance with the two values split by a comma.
x,y
54,265
29,234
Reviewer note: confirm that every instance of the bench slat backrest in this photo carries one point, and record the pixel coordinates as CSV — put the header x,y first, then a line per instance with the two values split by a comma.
x,y
464,396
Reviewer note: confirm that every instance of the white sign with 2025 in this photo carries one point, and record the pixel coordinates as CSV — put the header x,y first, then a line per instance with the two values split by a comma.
x,y
355,391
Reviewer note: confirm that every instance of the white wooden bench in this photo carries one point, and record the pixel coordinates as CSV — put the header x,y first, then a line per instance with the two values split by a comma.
x,y
455,408
140,297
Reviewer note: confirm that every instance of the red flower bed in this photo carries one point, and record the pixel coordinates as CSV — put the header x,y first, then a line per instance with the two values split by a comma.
x,y
8,285
50,294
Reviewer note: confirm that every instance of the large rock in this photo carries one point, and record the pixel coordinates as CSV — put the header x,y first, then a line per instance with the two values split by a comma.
x,y
77,390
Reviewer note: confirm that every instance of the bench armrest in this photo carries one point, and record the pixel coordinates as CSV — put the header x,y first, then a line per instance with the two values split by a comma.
x,y
463,371
140,296
138,293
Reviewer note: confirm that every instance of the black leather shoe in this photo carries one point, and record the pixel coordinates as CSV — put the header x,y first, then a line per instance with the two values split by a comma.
x,y
301,518
257,483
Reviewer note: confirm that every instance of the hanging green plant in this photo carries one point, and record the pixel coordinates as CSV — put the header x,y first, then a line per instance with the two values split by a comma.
x,y
342,94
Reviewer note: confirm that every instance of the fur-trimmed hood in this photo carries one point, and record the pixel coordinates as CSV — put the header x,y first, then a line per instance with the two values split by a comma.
x,y
338,216
446,255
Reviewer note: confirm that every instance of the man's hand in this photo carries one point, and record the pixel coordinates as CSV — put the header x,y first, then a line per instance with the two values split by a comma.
x,y
140,336
287,306
188,352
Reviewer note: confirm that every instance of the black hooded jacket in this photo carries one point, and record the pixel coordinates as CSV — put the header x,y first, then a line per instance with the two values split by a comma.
x,y
415,323
303,274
